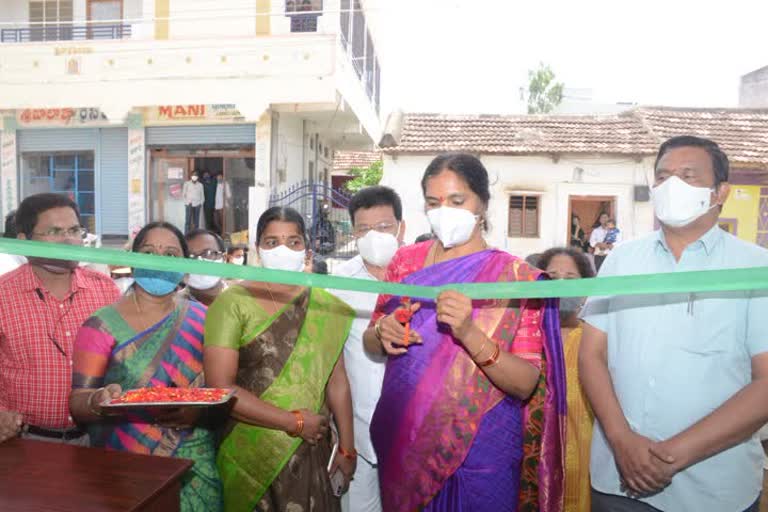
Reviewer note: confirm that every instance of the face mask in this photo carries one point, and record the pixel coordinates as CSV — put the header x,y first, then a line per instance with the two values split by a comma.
x,y
378,248
238,261
194,178
453,226
54,266
157,282
677,204
204,282
282,258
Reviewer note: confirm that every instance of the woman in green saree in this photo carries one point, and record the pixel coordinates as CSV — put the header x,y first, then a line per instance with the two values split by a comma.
x,y
280,347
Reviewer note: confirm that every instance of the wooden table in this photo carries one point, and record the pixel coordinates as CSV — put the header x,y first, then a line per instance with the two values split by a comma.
x,y
49,477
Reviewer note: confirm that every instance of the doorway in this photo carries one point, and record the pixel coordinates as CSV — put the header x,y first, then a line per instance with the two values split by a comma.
x,y
588,209
169,170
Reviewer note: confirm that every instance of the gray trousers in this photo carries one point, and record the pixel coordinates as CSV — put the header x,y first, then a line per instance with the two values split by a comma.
x,y
614,503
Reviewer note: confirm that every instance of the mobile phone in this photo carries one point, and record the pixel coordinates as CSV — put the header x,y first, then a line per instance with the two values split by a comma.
x,y
337,483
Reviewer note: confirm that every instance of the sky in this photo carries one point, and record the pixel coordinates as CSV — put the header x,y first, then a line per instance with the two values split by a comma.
x,y
473,56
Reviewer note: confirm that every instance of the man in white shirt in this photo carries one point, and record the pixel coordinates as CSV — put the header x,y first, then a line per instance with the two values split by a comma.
x,y
376,214
194,196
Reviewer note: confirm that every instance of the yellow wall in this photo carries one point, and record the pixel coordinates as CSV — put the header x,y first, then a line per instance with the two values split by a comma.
x,y
743,205
162,10
263,22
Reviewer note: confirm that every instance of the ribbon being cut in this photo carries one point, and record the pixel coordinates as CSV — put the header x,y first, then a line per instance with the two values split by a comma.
x,y
675,282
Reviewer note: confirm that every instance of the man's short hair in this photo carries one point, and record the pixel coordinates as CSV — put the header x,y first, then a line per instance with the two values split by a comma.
x,y
30,209
378,195
719,159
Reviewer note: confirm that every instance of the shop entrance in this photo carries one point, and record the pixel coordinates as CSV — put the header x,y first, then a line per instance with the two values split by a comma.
x,y
171,168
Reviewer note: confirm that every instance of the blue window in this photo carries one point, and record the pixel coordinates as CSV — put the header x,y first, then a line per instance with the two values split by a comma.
x,y
71,174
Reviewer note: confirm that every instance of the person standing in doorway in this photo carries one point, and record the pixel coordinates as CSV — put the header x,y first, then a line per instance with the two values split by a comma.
x,y
377,223
209,203
597,240
218,214
193,199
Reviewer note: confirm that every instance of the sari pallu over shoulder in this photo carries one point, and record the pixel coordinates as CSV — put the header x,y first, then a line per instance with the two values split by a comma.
x,y
251,457
435,397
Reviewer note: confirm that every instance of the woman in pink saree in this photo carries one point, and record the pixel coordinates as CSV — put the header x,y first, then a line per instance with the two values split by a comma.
x,y
472,411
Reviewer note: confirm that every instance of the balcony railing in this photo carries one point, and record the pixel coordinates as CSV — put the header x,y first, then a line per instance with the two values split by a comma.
x,y
303,22
64,32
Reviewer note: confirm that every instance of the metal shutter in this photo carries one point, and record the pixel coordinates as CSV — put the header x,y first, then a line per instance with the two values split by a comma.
x,y
113,189
209,134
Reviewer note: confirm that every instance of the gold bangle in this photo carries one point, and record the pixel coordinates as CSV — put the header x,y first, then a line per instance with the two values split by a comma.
x,y
299,424
493,359
377,328
482,349
90,403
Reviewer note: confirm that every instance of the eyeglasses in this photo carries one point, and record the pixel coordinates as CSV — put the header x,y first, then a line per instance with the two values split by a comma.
x,y
208,255
382,227
75,232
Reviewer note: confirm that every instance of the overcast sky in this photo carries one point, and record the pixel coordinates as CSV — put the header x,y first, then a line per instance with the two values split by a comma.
x,y
473,55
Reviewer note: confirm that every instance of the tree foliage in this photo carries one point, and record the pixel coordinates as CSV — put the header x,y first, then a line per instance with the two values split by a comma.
x,y
365,176
544,93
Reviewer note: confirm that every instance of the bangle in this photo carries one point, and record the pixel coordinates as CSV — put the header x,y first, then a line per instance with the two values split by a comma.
x,y
377,328
493,359
299,424
348,454
482,349
90,403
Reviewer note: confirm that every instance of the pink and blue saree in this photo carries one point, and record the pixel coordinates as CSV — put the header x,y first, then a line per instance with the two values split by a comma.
x,y
447,439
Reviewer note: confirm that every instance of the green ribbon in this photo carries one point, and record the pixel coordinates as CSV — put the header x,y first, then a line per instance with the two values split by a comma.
x,y
676,282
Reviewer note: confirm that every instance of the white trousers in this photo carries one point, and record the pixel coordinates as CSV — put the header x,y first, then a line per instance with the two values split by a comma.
x,y
363,494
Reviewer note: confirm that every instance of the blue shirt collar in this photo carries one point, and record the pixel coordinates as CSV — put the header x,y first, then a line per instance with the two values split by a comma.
x,y
708,240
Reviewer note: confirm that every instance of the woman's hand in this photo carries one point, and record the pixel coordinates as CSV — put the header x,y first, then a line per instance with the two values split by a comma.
x,y
455,310
102,396
392,332
315,426
347,466
179,417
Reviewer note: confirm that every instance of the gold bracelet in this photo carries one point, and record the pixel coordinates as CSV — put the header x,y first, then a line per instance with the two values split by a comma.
x,y
90,403
482,349
299,424
493,360
377,328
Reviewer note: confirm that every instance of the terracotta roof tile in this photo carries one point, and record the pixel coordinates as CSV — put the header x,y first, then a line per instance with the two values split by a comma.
x,y
346,160
743,134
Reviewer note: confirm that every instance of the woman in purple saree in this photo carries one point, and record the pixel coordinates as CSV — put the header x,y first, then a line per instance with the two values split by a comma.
x,y
472,411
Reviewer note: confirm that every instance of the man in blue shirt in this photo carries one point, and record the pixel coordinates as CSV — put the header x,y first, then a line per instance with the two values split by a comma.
x,y
678,382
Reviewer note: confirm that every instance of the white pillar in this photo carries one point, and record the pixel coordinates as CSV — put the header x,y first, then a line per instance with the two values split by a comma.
x,y
8,176
137,189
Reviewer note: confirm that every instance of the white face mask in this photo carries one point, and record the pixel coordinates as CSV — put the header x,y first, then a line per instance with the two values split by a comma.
x,y
203,282
238,261
453,226
282,258
378,248
677,204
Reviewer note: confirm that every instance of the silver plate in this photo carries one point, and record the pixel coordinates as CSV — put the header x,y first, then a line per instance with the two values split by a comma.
x,y
145,405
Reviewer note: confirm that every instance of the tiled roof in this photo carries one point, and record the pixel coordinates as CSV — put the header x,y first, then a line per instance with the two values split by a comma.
x,y
346,160
743,134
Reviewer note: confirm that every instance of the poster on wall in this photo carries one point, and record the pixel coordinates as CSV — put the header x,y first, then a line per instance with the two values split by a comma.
x,y
8,183
175,173
136,176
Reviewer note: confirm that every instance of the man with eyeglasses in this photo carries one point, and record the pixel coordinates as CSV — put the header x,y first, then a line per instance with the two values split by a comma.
x,y
377,222
205,245
44,304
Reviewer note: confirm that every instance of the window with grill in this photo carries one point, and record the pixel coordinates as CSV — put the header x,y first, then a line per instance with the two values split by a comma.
x,y
50,20
524,216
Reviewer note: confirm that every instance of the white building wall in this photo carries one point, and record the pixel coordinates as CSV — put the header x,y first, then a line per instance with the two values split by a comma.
x,y
14,11
553,181
290,149
193,19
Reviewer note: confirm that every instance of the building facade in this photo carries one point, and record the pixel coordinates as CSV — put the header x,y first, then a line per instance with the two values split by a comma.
x,y
546,169
117,102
